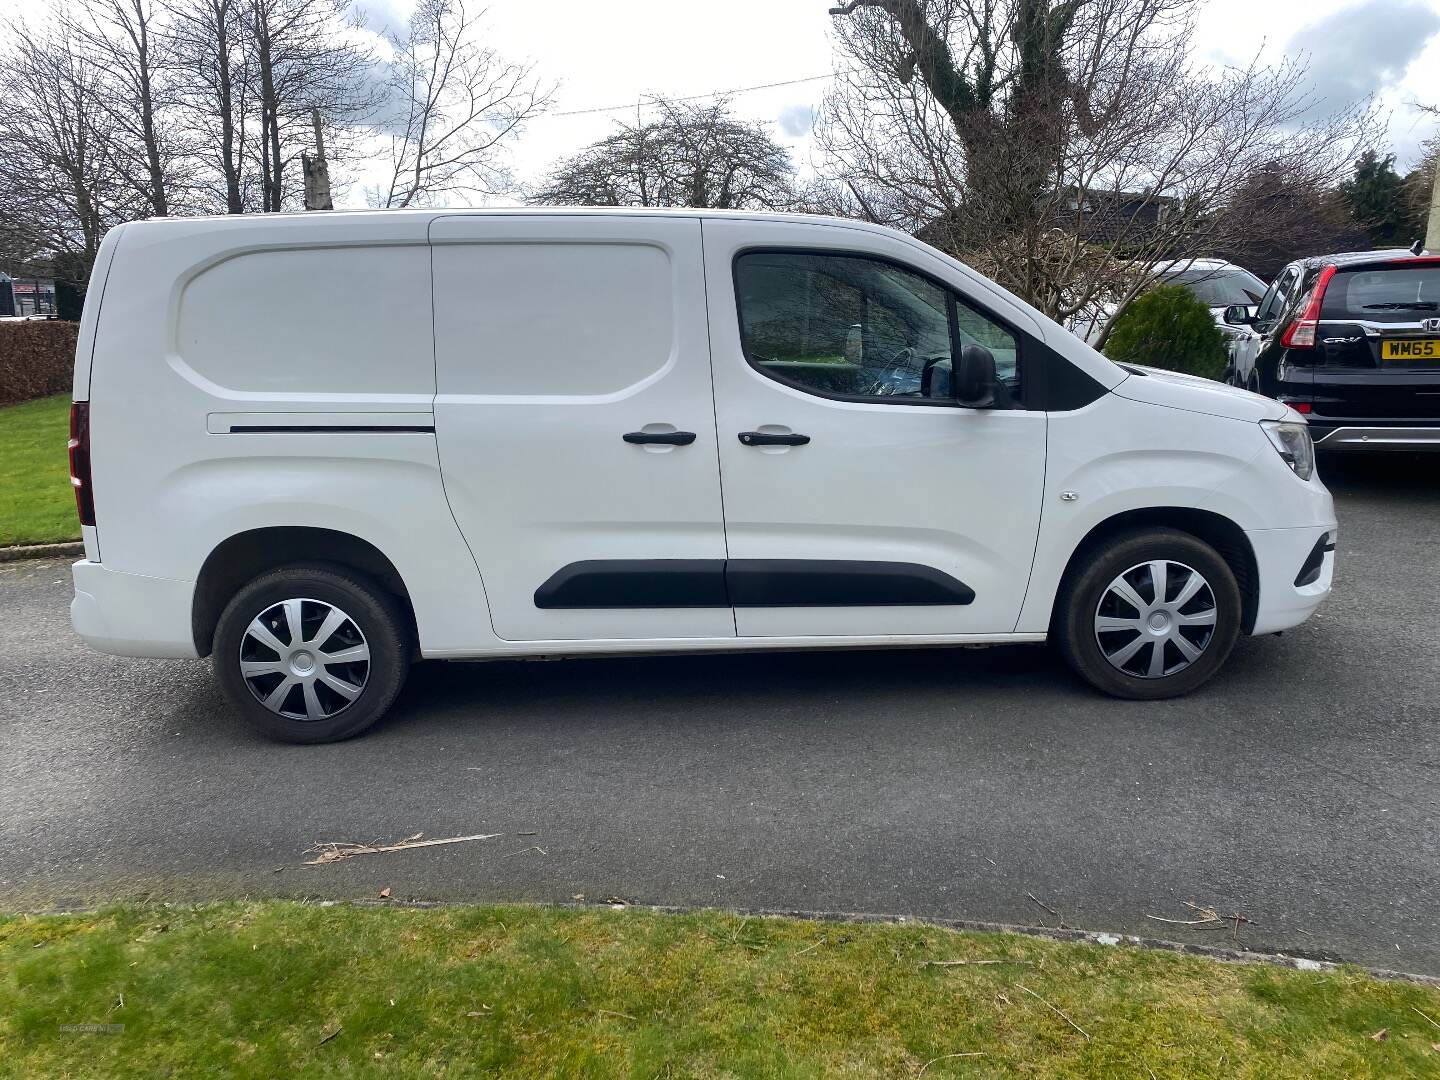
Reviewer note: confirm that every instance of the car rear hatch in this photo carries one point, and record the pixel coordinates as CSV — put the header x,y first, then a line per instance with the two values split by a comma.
x,y
1377,344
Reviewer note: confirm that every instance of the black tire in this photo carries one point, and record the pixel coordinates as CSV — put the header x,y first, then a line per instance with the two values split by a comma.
x,y
373,611
1087,584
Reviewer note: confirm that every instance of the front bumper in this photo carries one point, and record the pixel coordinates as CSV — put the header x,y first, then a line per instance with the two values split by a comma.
x,y
1280,555
130,614
1352,437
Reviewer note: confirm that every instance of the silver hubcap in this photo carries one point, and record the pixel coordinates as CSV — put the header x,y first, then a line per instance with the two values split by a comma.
x,y
304,659
1155,619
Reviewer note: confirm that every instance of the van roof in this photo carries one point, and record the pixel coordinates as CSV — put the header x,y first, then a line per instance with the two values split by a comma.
x,y
314,218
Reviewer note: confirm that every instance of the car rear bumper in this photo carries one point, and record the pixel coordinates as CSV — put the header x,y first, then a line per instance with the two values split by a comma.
x,y
1282,559
1367,437
130,614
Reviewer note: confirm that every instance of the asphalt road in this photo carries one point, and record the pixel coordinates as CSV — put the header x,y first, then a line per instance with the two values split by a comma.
x,y
1299,789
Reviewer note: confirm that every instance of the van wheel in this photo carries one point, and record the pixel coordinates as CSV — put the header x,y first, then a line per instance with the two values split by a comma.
x,y
1152,615
311,654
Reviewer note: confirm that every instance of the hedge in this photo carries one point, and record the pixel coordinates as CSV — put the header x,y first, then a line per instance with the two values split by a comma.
x,y
37,358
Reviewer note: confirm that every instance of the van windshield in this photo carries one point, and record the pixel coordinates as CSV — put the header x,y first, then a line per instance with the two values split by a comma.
x,y
1401,294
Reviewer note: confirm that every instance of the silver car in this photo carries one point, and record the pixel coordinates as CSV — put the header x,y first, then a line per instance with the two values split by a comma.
x,y
1221,286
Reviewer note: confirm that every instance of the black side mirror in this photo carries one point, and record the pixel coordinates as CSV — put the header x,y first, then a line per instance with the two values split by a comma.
x,y
1238,315
974,382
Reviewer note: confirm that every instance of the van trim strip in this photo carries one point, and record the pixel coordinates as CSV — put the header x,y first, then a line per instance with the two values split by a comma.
x,y
748,583
330,429
329,421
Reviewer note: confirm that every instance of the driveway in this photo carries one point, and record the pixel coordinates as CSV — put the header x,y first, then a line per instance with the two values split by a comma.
x,y
1299,790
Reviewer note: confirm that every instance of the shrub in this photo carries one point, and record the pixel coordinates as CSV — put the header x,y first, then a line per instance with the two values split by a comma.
x,y
36,359
1169,328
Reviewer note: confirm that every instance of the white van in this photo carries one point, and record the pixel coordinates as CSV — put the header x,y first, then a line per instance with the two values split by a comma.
x,y
316,447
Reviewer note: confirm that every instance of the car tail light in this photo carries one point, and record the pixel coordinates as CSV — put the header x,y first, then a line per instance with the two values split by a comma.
x,y
80,461
1301,334
1302,407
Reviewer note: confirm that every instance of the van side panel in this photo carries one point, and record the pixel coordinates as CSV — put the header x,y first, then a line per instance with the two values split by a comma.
x,y
316,335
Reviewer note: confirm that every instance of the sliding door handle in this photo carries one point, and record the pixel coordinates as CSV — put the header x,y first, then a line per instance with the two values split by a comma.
x,y
665,438
768,438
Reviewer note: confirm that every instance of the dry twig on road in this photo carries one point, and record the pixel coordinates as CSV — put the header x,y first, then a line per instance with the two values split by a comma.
x,y
334,851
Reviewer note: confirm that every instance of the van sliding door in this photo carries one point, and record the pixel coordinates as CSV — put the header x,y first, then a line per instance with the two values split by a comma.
x,y
576,423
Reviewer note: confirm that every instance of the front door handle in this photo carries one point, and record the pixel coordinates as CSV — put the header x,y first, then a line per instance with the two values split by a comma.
x,y
666,438
768,438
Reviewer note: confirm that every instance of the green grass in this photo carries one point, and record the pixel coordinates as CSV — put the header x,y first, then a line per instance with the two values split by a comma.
x,y
283,989
36,503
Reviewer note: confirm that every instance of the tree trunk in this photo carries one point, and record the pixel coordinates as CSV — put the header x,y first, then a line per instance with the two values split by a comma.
x,y
228,163
159,206
269,120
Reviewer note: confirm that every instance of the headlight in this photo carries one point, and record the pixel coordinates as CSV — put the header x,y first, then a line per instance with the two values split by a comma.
x,y
1292,442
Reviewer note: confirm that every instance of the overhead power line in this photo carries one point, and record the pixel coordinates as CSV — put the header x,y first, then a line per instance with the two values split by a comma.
x,y
697,97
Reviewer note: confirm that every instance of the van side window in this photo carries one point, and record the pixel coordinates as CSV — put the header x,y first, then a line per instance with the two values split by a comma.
x,y
847,326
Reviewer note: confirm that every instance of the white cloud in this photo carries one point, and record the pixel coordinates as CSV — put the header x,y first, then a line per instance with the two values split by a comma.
x,y
797,120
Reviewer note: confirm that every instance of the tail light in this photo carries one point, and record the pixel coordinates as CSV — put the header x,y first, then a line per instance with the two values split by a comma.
x,y
1301,333
1302,407
80,461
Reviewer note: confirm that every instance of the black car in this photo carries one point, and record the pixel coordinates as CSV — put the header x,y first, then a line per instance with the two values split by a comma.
x,y
1353,342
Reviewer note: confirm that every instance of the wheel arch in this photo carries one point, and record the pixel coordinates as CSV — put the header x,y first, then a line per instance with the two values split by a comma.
x,y
244,556
1221,533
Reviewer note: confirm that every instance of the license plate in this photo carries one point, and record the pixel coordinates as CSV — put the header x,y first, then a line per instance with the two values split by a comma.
x,y
1411,349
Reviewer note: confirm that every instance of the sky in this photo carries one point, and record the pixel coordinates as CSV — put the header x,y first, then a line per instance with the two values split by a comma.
x,y
611,54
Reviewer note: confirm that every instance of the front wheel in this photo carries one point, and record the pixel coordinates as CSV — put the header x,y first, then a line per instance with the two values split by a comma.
x,y
311,654
1153,614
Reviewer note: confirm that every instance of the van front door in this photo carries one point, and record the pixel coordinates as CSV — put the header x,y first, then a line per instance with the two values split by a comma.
x,y
576,423
860,499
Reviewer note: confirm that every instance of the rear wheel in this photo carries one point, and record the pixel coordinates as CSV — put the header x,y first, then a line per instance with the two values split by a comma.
x,y
311,654
1152,615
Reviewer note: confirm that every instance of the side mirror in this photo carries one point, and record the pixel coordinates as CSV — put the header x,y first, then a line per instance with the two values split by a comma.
x,y
974,382
1238,315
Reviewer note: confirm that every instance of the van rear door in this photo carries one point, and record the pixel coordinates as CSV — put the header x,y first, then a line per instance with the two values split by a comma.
x,y
576,423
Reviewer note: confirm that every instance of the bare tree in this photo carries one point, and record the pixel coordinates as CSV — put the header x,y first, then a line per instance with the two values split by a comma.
x,y
1317,221
304,59
454,104
60,188
1063,148
690,155
215,73
127,43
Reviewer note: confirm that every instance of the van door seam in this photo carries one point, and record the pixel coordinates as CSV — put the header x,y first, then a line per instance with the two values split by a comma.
x,y
439,457
715,409
1039,525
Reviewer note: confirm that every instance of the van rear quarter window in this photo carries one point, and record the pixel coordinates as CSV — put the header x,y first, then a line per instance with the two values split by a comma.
x,y
552,319
347,320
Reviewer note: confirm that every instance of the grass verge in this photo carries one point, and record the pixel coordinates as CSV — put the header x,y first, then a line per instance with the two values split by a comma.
x,y
285,989
36,503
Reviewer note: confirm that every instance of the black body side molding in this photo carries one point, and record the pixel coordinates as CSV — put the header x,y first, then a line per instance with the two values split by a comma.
x,y
748,583
636,583
839,583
